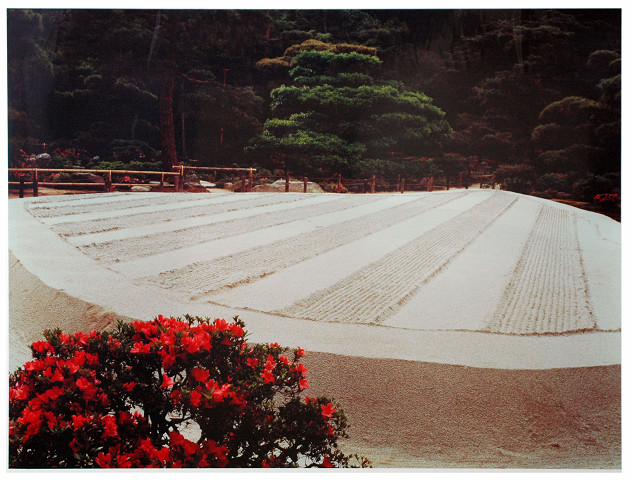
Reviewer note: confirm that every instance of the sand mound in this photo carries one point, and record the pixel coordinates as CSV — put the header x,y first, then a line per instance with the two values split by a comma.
x,y
458,328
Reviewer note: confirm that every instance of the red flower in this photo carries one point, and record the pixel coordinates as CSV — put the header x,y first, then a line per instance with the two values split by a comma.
x,y
284,359
252,362
328,410
266,464
57,377
123,461
221,325
111,430
79,421
140,347
200,374
236,330
55,392
220,393
161,455
129,386
302,383
88,388
166,381
177,438
18,393
300,353
270,364
103,460
196,398
326,463
176,395
41,346
268,376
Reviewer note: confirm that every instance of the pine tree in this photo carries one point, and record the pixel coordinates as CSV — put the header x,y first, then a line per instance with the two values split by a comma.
x,y
338,116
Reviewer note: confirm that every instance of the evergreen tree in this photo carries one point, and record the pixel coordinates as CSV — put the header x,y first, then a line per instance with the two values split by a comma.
x,y
339,117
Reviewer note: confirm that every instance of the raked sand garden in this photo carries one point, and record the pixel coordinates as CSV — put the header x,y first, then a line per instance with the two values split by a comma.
x,y
462,328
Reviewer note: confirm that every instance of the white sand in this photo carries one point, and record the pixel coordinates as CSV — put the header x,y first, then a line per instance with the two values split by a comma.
x,y
444,312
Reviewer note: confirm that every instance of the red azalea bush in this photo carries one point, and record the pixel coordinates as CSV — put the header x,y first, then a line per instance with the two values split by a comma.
x,y
169,393
607,200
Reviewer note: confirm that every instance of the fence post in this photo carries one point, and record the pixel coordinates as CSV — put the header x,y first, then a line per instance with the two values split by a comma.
x,y
339,183
251,180
306,180
373,183
162,180
21,186
398,182
365,185
286,181
108,181
402,185
430,184
243,185
181,178
35,184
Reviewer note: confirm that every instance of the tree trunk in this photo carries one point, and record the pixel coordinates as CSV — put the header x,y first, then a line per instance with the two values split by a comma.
x,y
167,125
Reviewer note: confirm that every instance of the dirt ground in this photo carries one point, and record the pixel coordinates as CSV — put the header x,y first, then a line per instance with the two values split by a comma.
x,y
465,417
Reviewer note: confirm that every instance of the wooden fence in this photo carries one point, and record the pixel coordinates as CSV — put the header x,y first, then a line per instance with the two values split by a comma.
x,y
336,183
176,176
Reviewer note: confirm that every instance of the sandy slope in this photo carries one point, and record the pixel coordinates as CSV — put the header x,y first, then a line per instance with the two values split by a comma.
x,y
460,328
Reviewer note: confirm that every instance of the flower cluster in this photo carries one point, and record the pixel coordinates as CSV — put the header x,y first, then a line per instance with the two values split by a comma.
x,y
607,200
128,179
168,393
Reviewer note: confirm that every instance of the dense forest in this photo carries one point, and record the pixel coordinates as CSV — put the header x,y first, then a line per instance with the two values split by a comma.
x,y
532,96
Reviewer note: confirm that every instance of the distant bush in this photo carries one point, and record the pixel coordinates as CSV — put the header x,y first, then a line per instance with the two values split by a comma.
x,y
552,181
517,184
504,172
609,201
585,188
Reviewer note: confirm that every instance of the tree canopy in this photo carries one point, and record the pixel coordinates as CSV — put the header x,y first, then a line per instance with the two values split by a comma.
x,y
348,91
339,116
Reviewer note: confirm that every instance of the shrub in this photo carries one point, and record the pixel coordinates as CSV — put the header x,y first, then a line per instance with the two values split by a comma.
x,y
169,393
609,201
517,184
552,181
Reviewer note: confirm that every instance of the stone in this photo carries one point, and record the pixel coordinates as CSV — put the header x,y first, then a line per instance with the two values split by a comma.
x,y
295,186
191,180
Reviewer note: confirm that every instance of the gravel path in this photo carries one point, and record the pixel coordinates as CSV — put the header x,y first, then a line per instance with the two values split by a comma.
x,y
200,279
547,292
188,205
163,241
78,206
377,291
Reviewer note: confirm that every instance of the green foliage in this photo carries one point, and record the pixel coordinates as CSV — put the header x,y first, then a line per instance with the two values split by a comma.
x,y
575,157
552,181
336,116
83,78
602,61
505,172
569,111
